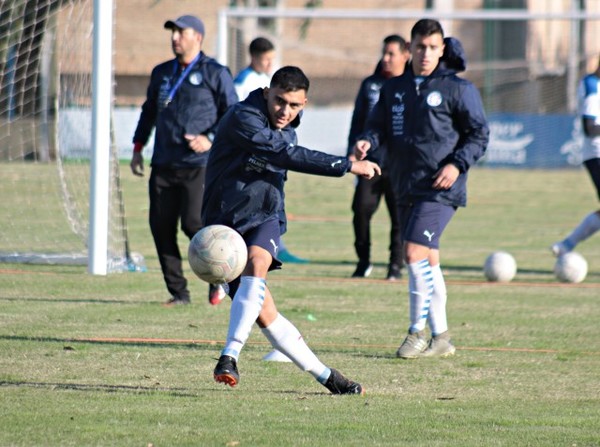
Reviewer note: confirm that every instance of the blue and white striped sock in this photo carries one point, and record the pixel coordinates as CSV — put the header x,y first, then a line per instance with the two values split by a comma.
x,y
245,308
420,289
437,312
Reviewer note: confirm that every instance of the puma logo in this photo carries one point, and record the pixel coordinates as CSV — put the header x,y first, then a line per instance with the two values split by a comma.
x,y
335,163
428,235
275,247
399,96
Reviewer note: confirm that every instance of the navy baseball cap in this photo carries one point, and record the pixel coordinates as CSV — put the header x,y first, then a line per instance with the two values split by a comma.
x,y
184,22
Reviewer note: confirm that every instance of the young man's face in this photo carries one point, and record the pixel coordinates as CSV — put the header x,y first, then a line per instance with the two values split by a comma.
x,y
393,59
283,107
263,63
426,52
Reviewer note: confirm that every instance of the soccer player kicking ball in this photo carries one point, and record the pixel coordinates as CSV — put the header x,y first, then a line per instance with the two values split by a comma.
x,y
253,149
435,128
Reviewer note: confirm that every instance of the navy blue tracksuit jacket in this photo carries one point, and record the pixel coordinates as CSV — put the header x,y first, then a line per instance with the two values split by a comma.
x,y
426,126
248,165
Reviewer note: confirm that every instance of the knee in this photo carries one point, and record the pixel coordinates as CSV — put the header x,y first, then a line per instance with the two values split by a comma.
x,y
415,252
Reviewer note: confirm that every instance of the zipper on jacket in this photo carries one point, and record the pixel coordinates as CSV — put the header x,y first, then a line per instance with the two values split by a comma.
x,y
418,81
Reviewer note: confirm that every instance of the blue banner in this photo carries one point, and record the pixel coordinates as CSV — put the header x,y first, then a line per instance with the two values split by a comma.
x,y
533,141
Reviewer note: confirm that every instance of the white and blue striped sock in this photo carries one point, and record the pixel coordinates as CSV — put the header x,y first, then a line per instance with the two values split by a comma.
x,y
245,308
285,337
420,289
437,313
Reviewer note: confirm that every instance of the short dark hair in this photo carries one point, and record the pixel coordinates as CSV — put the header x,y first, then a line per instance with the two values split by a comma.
x,y
290,79
395,38
260,45
426,27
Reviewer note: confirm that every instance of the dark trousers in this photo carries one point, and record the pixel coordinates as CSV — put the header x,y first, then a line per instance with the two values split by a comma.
x,y
367,196
175,195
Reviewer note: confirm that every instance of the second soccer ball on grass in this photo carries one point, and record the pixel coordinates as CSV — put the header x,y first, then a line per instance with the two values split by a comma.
x,y
500,267
571,267
217,254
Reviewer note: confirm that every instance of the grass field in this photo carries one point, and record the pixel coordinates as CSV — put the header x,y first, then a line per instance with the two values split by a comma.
x,y
90,361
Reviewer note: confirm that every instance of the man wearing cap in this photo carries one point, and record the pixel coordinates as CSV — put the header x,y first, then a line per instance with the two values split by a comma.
x,y
185,99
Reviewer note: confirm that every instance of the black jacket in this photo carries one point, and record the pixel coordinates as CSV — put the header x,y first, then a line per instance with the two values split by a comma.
x,y
248,164
201,100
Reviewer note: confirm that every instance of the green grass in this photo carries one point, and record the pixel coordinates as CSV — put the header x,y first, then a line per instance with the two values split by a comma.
x,y
88,360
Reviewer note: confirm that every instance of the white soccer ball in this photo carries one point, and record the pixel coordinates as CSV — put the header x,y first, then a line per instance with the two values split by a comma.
x,y
500,267
217,254
570,267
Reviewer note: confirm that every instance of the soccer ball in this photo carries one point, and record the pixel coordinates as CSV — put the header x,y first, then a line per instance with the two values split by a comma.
x,y
500,267
570,267
217,254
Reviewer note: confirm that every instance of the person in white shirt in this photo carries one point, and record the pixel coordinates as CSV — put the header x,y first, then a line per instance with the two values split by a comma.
x,y
588,95
258,73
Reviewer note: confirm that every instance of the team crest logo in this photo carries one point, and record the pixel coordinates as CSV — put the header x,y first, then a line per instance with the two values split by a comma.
x,y
434,99
195,78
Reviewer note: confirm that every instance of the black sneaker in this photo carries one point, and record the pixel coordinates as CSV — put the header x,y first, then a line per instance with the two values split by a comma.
x,y
363,269
338,384
394,272
176,301
226,371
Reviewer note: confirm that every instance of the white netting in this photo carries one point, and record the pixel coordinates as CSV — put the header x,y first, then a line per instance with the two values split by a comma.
x,y
45,136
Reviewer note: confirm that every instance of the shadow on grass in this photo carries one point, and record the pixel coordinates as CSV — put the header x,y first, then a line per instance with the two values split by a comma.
x,y
178,344
450,268
78,300
177,392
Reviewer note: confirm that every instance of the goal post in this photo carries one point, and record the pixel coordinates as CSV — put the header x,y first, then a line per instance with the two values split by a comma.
x,y
62,199
101,132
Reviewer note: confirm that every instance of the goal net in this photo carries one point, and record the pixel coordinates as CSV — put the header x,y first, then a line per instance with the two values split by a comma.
x,y
45,137
526,61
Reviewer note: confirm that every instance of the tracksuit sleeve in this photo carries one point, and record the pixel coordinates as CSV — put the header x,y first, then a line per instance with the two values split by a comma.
x,y
473,128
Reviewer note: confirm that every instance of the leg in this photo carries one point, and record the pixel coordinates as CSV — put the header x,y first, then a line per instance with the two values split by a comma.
x,y
396,241
590,223
364,204
191,206
286,338
165,206
425,226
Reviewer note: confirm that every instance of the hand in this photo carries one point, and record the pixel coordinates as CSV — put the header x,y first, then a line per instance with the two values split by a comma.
x,y
137,164
365,168
361,148
198,143
445,177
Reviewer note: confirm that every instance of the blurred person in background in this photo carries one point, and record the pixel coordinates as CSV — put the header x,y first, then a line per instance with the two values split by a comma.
x,y
368,192
588,96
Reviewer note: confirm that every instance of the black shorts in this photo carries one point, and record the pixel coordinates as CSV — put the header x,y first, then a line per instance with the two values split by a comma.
x,y
266,236
426,223
593,167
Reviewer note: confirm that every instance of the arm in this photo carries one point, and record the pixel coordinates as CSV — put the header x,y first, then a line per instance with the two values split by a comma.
x,y
590,128
144,127
471,123
251,132
359,117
